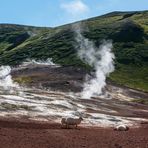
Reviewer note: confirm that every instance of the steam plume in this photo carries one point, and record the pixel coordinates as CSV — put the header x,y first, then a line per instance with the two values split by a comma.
x,y
6,81
101,59
39,62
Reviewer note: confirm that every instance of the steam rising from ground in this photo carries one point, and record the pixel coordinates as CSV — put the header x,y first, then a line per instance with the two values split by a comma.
x,y
101,59
6,81
39,62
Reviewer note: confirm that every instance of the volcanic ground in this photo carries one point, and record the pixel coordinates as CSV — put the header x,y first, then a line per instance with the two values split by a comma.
x,y
31,113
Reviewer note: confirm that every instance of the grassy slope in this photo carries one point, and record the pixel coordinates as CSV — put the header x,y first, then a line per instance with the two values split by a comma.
x,y
128,30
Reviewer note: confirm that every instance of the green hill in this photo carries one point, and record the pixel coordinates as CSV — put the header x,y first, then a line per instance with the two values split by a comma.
x,y
128,30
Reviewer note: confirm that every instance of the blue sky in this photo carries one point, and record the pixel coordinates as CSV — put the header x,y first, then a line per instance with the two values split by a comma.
x,y
57,12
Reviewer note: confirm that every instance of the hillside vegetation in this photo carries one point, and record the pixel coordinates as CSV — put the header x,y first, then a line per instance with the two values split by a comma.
x,y
127,30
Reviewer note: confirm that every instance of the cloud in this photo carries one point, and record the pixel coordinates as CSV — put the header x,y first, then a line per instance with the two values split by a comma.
x,y
75,7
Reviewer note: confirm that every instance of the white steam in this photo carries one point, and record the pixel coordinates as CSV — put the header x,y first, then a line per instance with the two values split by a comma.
x,y
39,62
6,81
101,59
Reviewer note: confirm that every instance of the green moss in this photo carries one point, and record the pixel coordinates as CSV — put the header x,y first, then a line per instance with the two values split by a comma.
x,y
25,107
13,107
141,101
8,106
23,80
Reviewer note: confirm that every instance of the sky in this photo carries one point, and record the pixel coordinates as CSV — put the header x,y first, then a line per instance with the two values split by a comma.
x,y
51,13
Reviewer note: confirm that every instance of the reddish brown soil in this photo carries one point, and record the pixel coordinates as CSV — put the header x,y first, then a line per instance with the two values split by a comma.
x,y
32,134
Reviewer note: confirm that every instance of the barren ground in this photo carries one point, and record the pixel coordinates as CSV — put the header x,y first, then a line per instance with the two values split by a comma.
x,y
30,116
31,134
